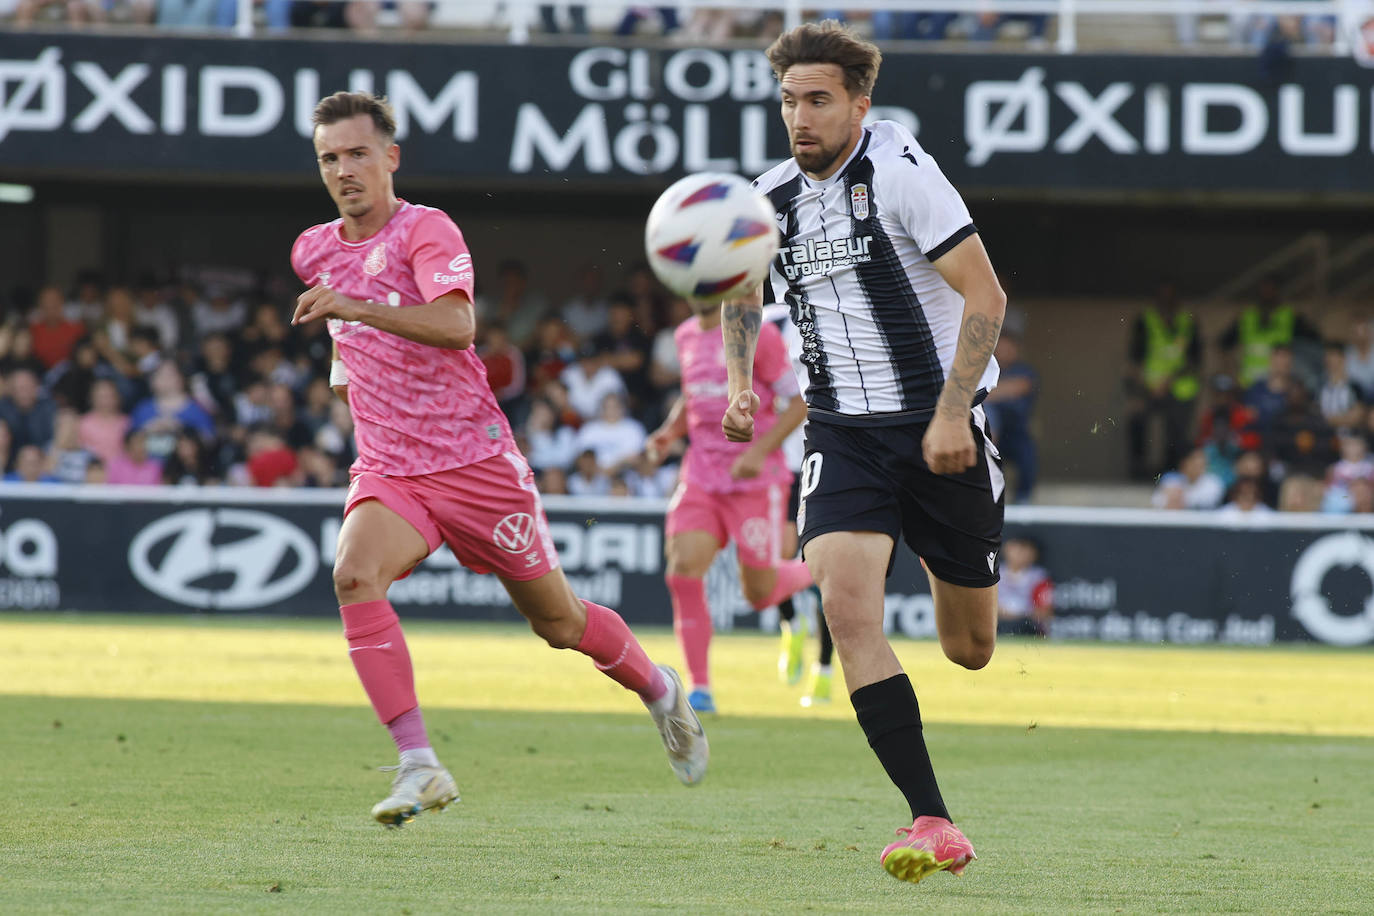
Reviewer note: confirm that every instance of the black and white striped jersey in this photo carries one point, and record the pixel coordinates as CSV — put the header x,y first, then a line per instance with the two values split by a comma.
x,y
878,323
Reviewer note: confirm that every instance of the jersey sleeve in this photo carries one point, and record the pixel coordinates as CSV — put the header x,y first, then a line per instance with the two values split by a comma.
x,y
930,210
298,257
439,257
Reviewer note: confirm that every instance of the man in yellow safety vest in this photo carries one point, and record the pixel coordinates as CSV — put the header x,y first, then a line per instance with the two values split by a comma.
x,y
1161,381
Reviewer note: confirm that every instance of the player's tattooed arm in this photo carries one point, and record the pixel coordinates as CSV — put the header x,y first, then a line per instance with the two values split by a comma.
x,y
967,269
740,320
977,338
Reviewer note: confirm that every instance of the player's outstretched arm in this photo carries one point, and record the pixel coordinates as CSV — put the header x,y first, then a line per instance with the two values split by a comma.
x,y
740,320
669,432
948,444
447,322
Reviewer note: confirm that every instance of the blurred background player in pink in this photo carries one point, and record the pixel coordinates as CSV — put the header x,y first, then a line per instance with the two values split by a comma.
x,y
1025,596
729,490
436,459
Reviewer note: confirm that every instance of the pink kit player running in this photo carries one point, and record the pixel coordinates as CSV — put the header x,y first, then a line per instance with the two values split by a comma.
x,y
729,491
436,459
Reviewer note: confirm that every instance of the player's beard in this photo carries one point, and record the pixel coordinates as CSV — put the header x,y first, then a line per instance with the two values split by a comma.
x,y
817,159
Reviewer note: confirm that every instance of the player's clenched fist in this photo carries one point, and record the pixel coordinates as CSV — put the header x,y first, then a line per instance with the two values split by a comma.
x,y
948,446
323,302
739,417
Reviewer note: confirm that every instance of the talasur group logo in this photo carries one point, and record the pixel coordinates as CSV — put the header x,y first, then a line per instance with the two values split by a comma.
x,y
225,559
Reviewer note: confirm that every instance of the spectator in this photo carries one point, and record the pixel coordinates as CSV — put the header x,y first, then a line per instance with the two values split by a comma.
x,y
6,447
1361,497
87,304
189,463
1246,500
16,351
1261,327
270,363
1354,465
319,399
888,25
1300,493
102,429
271,462
187,14
1192,486
1269,396
313,349
551,352
647,299
215,384
318,469
665,371
67,459
634,15
134,465
515,305
144,352
1359,356
551,444
362,15
626,347
1025,596
1161,381
77,12
96,472
168,412
577,17
219,314
1339,400
1009,408
988,27
614,437
53,334
1253,465
335,437
587,478
620,489
70,381
648,479
585,312
589,380
505,366
266,330
29,467
553,482
1301,442
27,411
253,404
117,321
284,421
152,310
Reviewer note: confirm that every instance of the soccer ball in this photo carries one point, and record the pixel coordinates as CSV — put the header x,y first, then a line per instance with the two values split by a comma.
x,y
711,236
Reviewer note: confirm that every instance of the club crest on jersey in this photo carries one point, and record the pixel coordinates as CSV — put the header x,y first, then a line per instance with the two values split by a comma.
x,y
376,260
858,201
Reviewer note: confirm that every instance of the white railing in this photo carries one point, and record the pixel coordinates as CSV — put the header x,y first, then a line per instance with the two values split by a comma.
x,y
521,16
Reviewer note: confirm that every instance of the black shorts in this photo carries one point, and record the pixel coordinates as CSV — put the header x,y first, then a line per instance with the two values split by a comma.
x,y
874,478
794,498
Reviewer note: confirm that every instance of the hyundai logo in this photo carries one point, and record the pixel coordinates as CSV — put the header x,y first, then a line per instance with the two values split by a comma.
x,y
226,559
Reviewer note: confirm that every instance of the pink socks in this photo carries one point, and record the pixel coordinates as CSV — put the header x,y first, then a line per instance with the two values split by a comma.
x,y
609,643
793,576
408,731
692,621
379,654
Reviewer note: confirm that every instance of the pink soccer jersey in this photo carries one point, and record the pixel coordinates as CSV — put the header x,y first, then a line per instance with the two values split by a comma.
x,y
704,385
417,409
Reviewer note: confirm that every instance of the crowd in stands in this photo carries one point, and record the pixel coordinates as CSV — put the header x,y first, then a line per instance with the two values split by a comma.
x,y
1288,426
1235,25
178,384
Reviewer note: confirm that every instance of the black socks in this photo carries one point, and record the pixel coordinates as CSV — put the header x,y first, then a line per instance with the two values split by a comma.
x,y
891,719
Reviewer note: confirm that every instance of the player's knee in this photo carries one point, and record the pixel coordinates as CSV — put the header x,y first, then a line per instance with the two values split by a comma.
x,y
972,654
755,593
559,632
354,582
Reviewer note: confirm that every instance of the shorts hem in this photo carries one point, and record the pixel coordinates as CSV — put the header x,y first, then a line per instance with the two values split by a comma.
x,y
963,581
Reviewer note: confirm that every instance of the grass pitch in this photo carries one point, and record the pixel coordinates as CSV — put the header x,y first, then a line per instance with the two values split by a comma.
x,y
193,765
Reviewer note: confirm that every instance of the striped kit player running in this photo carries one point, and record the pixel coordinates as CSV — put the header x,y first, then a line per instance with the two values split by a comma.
x,y
898,309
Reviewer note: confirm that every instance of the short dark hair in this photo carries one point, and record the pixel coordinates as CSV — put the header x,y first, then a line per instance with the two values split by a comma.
x,y
828,42
344,105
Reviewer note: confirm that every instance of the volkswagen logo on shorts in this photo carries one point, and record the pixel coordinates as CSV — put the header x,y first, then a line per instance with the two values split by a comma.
x,y
226,559
515,532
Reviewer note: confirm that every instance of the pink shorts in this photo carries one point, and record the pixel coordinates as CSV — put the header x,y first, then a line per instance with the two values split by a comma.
x,y
751,518
489,514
